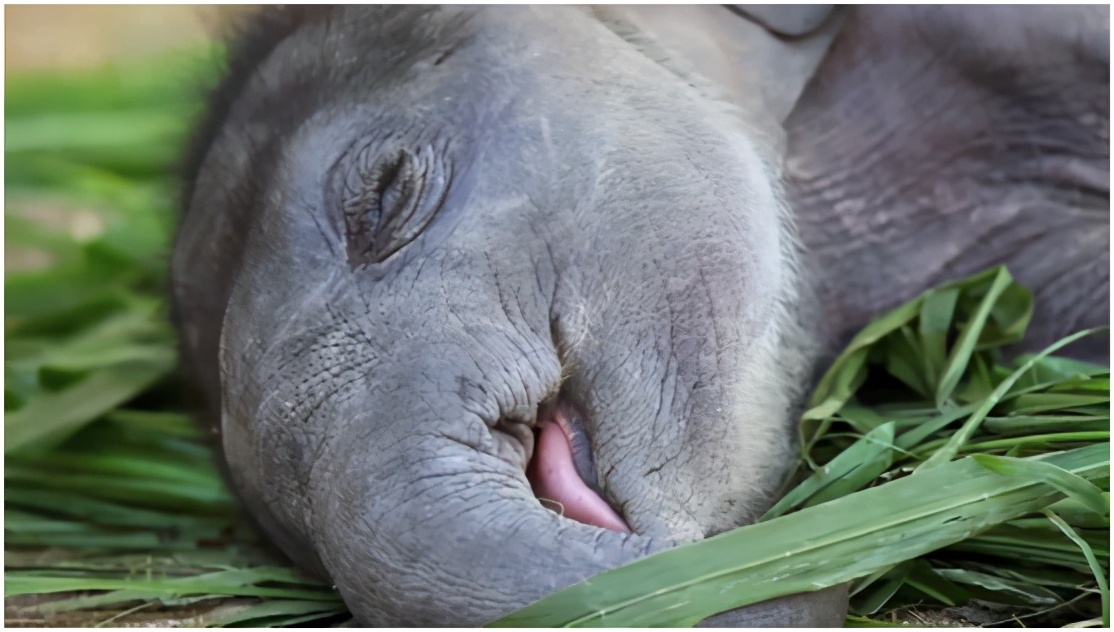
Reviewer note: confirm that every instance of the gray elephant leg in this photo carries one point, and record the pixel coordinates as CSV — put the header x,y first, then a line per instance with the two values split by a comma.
x,y
934,142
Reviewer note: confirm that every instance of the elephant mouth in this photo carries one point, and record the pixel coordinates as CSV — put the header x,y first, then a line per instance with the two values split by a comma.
x,y
561,471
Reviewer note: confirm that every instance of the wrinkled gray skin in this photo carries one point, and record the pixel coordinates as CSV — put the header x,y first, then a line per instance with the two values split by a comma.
x,y
408,228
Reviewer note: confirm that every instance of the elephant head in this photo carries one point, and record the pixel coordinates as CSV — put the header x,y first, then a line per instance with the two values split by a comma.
x,y
485,316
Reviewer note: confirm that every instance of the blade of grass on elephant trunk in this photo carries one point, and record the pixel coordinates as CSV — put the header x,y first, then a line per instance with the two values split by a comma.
x,y
812,549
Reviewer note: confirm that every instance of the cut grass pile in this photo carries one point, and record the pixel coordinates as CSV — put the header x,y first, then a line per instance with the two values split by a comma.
x,y
933,473
111,499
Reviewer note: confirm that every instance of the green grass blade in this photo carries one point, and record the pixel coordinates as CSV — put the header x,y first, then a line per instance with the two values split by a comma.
x,y
1055,369
1024,591
960,354
96,511
238,582
852,470
937,313
951,448
943,590
840,382
1034,403
1096,568
870,598
808,550
49,419
1021,425
1077,514
1075,488
904,360
913,437
287,608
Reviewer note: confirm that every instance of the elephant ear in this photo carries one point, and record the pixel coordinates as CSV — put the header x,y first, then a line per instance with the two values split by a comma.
x,y
759,57
780,47
788,20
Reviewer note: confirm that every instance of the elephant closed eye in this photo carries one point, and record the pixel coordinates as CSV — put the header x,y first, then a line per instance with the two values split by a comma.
x,y
387,195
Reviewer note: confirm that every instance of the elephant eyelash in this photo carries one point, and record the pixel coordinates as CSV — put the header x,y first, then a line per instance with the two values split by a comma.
x,y
388,196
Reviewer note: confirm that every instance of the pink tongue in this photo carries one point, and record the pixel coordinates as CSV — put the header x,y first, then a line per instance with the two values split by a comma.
x,y
554,478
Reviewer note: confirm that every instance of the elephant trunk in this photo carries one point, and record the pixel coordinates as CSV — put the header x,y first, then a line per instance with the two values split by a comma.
x,y
452,528
418,502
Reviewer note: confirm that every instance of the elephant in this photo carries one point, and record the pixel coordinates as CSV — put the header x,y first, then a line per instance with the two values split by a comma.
x,y
488,300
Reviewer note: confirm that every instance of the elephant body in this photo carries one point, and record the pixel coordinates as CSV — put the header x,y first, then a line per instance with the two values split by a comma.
x,y
443,270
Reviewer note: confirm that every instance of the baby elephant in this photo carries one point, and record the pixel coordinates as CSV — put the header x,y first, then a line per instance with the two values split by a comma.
x,y
488,300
